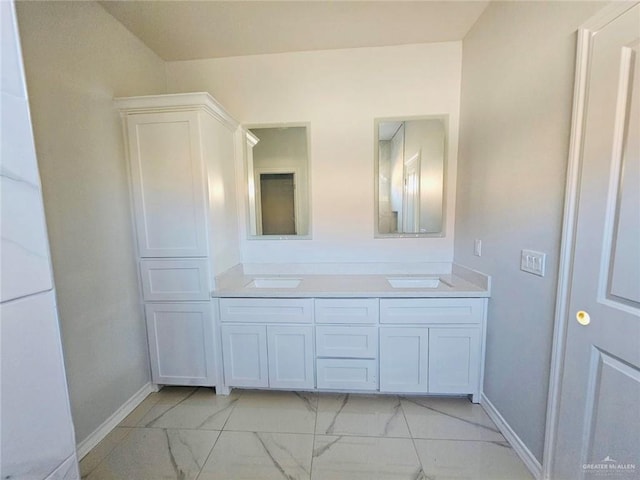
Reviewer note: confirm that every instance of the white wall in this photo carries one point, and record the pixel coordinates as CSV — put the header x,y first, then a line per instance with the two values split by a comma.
x,y
36,430
77,58
339,93
517,86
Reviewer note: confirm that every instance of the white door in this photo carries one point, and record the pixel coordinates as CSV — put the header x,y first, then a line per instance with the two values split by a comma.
x,y
290,352
598,429
181,343
244,351
454,360
404,359
168,185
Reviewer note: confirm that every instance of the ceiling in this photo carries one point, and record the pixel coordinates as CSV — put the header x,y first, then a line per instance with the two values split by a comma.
x,y
189,29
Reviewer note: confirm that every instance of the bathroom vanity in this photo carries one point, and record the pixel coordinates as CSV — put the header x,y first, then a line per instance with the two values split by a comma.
x,y
418,334
212,322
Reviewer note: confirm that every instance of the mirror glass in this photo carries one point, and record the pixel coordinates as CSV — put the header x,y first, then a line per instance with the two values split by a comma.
x,y
410,172
278,169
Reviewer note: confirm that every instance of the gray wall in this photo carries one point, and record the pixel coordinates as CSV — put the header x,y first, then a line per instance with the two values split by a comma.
x,y
77,58
517,87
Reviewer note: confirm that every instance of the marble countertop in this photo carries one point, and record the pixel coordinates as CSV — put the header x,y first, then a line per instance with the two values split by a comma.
x,y
461,282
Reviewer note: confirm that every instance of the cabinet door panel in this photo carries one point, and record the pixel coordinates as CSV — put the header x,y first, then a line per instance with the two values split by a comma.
x,y
181,343
404,359
244,350
168,184
454,360
290,352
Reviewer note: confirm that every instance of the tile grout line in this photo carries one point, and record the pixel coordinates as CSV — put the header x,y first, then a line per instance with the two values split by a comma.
x,y
218,437
313,444
413,441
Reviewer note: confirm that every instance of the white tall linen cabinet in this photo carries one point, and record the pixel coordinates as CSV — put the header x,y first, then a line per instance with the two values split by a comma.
x,y
181,152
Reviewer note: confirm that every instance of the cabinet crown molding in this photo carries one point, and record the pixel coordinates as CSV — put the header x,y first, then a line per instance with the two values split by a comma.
x,y
176,102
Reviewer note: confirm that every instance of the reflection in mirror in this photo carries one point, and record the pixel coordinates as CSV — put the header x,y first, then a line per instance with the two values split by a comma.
x,y
410,169
279,182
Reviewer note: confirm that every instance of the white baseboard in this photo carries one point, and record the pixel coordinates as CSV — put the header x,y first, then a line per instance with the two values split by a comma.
x,y
112,422
530,461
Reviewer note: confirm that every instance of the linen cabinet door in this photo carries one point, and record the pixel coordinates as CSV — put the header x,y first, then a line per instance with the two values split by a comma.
x,y
244,352
181,343
290,352
454,360
404,359
168,185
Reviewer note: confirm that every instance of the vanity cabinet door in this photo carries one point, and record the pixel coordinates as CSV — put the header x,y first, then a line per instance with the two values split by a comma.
x,y
244,351
404,359
181,343
290,352
454,360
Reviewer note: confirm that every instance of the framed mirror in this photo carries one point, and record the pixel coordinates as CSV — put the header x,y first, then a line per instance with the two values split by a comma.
x,y
278,182
410,168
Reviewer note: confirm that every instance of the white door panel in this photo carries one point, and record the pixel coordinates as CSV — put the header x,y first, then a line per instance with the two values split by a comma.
x,y
290,353
599,412
244,350
404,359
168,184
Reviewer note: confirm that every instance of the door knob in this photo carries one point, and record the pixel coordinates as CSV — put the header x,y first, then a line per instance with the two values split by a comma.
x,y
583,318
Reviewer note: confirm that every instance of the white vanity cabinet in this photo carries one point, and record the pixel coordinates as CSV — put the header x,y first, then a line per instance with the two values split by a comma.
x,y
267,343
181,151
392,345
434,346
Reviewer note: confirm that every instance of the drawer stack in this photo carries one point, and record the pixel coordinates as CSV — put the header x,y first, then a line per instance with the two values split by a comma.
x,y
347,343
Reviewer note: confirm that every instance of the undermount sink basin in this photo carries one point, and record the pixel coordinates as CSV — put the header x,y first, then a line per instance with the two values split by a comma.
x,y
414,282
275,283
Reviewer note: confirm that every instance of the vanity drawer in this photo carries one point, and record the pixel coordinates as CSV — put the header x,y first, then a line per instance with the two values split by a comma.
x,y
346,310
266,310
346,342
347,374
431,310
171,280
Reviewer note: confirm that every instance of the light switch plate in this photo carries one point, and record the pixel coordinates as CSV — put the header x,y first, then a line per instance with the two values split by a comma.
x,y
477,247
532,262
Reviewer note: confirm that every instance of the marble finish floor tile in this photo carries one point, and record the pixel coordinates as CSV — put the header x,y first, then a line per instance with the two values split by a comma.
x,y
448,419
202,410
264,456
189,433
365,458
275,412
156,454
92,459
473,460
166,396
361,415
